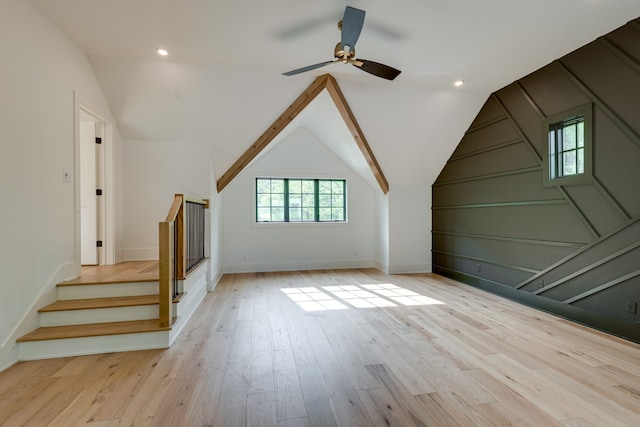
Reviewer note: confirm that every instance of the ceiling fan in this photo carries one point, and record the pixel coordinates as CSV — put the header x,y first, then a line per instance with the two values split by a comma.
x,y
350,27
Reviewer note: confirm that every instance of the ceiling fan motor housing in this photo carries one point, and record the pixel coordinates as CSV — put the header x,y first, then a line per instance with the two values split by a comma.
x,y
339,53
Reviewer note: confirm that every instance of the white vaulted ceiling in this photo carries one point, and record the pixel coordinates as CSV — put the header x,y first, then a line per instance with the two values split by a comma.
x,y
222,82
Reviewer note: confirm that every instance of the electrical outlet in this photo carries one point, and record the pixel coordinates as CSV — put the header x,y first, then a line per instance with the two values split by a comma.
x,y
66,176
632,307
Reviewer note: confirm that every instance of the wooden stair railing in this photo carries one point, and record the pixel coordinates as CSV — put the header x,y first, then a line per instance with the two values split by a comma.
x,y
181,248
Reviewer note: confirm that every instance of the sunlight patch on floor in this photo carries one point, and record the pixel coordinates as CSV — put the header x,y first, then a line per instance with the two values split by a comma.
x,y
363,296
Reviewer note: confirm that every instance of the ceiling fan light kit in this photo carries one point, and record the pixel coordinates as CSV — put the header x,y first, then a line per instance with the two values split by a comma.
x,y
350,28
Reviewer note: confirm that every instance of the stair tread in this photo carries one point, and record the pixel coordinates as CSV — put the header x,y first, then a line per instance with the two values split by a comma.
x,y
108,302
85,282
125,272
94,330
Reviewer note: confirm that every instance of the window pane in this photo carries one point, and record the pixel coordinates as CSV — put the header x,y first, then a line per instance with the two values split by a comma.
x,y
308,200
581,160
324,214
277,214
264,214
569,163
295,186
308,214
324,200
337,200
277,200
324,187
295,201
308,186
295,214
338,214
337,187
263,185
264,200
569,138
580,135
277,186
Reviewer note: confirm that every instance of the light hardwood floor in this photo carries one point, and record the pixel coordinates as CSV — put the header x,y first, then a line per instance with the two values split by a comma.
x,y
252,356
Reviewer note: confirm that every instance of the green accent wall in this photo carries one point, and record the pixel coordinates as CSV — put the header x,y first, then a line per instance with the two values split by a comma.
x,y
573,250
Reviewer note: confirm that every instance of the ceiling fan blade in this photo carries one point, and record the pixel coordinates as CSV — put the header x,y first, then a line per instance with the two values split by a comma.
x,y
352,23
307,68
377,69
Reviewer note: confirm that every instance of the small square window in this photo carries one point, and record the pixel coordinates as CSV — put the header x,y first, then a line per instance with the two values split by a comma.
x,y
567,147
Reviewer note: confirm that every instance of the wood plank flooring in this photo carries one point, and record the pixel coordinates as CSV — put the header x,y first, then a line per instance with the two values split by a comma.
x,y
126,272
427,352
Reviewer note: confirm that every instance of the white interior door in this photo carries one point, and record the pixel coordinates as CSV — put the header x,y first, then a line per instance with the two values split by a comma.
x,y
88,199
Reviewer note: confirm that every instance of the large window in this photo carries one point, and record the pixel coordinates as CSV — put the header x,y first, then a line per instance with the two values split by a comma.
x,y
567,156
300,200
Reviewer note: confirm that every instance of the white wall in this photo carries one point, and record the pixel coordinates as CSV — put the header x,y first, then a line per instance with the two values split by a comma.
x,y
153,173
382,232
270,247
409,229
40,72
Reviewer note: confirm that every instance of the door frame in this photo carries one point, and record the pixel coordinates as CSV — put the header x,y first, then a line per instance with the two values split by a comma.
x,y
106,230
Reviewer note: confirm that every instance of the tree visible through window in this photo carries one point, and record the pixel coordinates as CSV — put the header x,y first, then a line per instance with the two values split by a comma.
x,y
300,200
566,148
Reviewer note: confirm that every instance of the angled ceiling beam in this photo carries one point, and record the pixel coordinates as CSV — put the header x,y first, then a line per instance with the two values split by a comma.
x,y
356,132
305,98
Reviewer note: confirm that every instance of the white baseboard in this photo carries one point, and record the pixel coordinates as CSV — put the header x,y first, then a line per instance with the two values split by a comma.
x,y
409,268
140,254
29,322
296,265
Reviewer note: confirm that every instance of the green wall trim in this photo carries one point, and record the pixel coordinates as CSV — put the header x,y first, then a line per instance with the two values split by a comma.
x,y
486,150
487,261
600,103
510,239
485,124
588,268
620,54
491,175
629,331
503,204
583,249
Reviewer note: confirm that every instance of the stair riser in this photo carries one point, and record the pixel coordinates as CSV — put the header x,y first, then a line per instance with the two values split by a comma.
x,y
107,290
36,350
98,315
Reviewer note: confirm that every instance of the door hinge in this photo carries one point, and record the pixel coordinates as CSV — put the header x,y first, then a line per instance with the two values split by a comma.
x,y
99,244
98,140
98,192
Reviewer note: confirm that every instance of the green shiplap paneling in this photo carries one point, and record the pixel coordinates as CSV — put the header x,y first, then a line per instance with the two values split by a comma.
x,y
500,131
489,113
505,188
508,158
571,249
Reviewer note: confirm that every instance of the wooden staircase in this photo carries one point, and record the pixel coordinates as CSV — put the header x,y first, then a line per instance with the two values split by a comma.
x,y
107,309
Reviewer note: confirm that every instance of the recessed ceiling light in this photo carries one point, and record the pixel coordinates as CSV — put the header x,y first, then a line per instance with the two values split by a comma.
x,y
162,52
458,83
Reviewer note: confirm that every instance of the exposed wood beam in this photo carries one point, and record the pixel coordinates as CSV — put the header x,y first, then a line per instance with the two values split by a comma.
x,y
356,132
325,81
278,126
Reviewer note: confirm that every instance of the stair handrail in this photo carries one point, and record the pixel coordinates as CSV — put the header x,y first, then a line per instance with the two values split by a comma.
x,y
181,249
